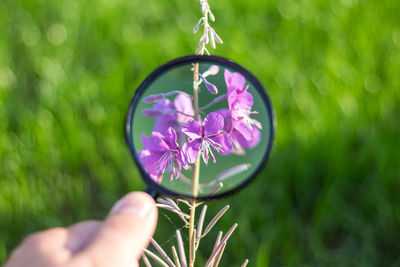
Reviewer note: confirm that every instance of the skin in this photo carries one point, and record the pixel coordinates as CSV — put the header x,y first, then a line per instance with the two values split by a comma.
x,y
117,241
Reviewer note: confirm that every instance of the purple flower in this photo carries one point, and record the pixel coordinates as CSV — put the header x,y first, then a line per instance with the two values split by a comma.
x,y
239,140
240,103
161,153
183,104
168,114
203,137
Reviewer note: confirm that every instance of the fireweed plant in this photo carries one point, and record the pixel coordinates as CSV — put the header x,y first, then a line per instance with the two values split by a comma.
x,y
185,134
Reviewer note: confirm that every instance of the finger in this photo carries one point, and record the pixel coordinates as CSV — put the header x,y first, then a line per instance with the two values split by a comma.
x,y
81,234
123,235
44,248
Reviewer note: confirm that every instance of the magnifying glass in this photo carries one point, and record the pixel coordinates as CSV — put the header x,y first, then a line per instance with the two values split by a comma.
x,y
199,127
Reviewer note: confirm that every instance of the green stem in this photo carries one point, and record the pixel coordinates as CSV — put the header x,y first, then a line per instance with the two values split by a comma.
x,y
196,169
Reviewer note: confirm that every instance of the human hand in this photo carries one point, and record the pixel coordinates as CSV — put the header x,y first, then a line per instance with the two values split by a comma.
x,y
117,241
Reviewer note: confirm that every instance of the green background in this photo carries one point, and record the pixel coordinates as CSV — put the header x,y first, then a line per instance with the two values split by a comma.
x,y
330,193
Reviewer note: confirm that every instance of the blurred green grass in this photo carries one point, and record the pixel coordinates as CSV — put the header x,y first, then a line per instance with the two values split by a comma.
x,y
330,194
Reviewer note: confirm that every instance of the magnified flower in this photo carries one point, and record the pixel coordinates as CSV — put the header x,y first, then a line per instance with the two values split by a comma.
x,y
240,103
161,154
183,104
239,140
168,114
237,89
203,137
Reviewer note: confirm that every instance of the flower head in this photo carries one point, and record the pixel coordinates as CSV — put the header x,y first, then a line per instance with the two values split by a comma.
x,y
238,139
161,153
205,137
240,103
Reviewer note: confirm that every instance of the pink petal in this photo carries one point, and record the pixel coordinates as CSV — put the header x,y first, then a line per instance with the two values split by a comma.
x,y
154,142
148,161
255,138
183,103
241,127
163,105
224,112
225,140
238,80
182,156
191,150
245,98
234,81
228,79
170,136
213,123
192,129
232,98
163,123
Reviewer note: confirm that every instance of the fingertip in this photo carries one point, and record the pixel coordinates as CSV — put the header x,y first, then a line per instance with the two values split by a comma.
x,y
138,203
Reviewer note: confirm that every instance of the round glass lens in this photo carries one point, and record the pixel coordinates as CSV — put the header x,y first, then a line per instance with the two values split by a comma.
x,y
200,127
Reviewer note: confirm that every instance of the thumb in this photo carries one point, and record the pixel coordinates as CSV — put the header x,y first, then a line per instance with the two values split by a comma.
x,y
123,235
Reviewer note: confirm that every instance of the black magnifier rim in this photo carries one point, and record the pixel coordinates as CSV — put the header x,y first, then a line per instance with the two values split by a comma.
x,y
158,189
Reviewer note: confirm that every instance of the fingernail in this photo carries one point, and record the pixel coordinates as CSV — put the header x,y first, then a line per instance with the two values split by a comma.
x,y
135,203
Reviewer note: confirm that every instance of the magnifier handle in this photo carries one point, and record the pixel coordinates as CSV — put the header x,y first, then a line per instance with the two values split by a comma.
x,y
152,193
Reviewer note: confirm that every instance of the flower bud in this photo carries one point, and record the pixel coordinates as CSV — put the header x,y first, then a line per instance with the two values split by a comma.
x,y
211,88
216,36
213,70
212,39
211,15
196,27
153,98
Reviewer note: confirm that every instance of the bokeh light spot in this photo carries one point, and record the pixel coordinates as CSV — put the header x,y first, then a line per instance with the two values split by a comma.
x,y
348,105
57,34
288,9
30,35
372,83
349,3
7,78
396,37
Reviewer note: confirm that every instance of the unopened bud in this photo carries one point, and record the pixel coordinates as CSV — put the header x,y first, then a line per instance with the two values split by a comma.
x,y
211,88
213,70
212,40
153,98
211,15
196,27
216,36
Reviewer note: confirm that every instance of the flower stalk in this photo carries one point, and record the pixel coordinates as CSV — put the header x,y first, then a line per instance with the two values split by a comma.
x,y
181,137
208,34
196,169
